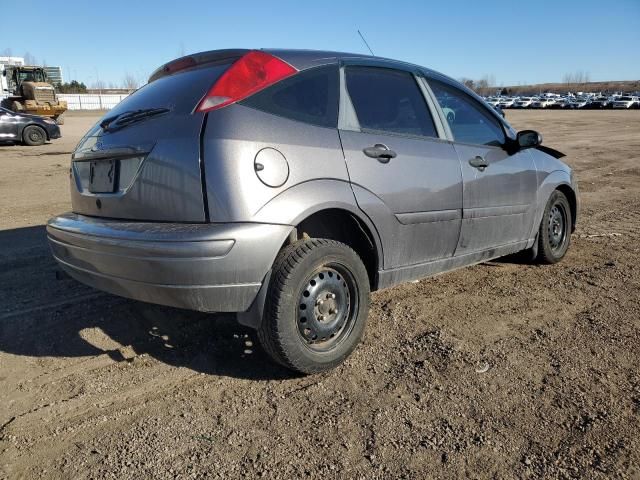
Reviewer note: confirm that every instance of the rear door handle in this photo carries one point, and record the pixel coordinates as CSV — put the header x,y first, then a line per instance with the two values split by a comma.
x,y
381,152
479,162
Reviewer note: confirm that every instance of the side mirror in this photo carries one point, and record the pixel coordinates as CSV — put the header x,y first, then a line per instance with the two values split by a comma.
x,y
528,139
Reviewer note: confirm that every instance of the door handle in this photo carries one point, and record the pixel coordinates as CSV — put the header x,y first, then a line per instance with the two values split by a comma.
x,y
381,152
479,162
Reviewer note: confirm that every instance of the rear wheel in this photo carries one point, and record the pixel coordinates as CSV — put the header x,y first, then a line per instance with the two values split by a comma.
x,y
317,305
554,234
34,135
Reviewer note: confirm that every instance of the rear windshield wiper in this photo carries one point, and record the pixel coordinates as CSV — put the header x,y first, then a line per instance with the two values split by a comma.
x,y
121,120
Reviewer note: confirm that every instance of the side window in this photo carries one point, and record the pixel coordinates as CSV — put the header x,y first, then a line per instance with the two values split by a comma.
x,y
390,101
310,96
470,122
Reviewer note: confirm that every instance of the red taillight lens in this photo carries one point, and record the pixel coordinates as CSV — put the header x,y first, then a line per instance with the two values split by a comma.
x,y
251,73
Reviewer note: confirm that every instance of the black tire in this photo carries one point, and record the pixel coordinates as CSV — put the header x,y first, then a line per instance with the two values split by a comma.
x,y
34,135
317,305
554,234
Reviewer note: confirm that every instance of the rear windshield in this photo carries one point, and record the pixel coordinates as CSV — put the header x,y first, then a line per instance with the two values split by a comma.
x,y
310,96
179,92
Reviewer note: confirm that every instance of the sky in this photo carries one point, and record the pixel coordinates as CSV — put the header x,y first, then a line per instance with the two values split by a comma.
x,y
513,42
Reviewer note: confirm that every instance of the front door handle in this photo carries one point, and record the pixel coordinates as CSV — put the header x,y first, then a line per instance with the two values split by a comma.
x,y
479,162
381,152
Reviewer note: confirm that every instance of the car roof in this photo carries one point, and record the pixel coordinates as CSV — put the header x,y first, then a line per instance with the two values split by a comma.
x,y
303,59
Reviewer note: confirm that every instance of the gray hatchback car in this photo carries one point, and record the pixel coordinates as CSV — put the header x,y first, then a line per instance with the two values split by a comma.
x,y
286,185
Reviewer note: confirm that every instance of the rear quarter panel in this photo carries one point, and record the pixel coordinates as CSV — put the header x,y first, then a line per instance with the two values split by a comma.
x,y
232,138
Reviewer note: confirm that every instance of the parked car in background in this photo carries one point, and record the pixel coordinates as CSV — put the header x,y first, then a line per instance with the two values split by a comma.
x,y
24,128
286,185
524,102
506,103
576,103
625,102
599,103
542,103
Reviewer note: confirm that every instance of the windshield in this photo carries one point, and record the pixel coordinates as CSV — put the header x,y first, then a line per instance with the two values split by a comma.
x,y
31,76
625,99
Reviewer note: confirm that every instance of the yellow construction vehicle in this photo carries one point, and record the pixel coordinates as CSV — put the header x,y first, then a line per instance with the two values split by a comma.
x,y
29,91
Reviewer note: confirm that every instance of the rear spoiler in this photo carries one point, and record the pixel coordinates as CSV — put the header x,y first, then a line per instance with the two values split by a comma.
x,y
196,59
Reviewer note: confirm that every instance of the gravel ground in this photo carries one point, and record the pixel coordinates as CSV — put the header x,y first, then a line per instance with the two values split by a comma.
x,y
502,370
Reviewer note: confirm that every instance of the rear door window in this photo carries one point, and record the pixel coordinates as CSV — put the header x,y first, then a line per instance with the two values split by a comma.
x,y
389,101
470,122
310,96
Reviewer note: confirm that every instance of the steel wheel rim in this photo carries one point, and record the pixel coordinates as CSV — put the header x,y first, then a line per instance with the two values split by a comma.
x,y
557,227
327,308
35,136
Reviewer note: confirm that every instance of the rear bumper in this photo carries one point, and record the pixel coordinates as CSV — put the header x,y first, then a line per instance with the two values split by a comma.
x,y
205,267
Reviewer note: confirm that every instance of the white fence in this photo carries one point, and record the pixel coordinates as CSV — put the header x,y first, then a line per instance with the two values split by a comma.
x,y
91,102
85,101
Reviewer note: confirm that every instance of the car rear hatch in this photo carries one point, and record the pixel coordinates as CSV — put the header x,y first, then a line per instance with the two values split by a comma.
x,y
142,159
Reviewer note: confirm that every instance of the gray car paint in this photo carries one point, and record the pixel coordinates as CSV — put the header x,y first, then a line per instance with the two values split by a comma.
x,y
419,203
499,201
234,136
168,185
197,266
165,239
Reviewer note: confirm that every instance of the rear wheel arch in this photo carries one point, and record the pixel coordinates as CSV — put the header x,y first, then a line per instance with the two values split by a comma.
x,y
345,227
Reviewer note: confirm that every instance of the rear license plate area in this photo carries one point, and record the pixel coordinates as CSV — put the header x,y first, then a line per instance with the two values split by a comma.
x,y
103,176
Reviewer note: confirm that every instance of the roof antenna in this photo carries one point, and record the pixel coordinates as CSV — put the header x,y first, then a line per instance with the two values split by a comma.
x,y
365,42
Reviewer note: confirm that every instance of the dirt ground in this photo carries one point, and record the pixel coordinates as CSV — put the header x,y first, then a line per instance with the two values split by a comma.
x,y
502,370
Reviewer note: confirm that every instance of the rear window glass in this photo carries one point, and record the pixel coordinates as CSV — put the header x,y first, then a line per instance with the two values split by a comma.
x,y
389,100
179,92
310,96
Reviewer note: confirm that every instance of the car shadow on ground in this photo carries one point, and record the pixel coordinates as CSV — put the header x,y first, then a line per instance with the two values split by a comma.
x,y
45,313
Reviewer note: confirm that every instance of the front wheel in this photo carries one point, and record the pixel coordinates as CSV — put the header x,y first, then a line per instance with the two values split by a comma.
x,y
554,234
317,305
34,135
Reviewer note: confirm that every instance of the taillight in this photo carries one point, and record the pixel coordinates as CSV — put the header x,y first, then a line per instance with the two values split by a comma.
x,y
251,73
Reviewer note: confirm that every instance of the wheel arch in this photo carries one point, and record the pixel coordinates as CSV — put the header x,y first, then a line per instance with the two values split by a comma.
x,y
556,180
327,207
348,228
570,193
